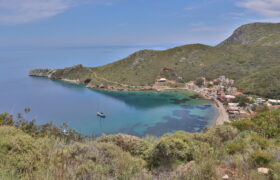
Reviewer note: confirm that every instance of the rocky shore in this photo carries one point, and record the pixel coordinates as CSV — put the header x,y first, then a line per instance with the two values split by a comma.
x,y
42,72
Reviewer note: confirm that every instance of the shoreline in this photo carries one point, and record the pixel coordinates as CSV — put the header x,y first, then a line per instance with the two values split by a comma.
x,y
221,118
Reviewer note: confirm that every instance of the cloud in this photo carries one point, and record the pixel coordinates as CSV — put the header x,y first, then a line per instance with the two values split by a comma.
x,y
269,8
23,11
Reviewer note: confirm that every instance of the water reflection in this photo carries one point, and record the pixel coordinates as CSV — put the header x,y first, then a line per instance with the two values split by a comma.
x,y
147,99
137,99
45,80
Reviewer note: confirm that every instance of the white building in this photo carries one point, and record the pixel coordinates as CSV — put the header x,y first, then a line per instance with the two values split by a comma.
x,y
161,80
274,101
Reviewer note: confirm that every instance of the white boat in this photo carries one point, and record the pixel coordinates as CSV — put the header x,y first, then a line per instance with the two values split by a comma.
x,y
101,114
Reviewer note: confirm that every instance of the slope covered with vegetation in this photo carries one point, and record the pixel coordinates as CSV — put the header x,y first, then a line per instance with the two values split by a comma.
x,y
43,152
251,56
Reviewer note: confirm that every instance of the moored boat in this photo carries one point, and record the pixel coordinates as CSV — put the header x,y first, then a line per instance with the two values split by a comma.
x,y
101,114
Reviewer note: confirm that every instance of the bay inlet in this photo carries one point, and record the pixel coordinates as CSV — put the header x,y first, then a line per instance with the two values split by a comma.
x,y
135,113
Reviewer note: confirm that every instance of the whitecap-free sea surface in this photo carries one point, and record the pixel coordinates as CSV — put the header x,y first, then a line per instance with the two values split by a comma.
x,y
135,113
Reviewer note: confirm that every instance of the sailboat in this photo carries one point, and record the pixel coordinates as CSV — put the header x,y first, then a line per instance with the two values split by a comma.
x,y
101,114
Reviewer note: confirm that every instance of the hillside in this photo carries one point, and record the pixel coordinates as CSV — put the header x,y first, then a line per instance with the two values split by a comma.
x,y
237,150
251,56
256,34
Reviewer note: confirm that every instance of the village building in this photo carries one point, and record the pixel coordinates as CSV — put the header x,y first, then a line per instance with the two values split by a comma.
x,y
237,93
233,105
212,92
233,110
275,107
244,115
259,101
191,85
220,93
274,101
231,90
225,81
229,97
161,80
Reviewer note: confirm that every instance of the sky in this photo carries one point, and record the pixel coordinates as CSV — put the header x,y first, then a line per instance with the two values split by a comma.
x,y
86,23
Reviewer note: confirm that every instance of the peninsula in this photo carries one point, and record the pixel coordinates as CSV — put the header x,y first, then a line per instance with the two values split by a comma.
x,y
245,63
250,57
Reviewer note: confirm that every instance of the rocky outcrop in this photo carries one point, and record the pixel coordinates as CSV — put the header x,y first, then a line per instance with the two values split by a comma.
x,y
42,72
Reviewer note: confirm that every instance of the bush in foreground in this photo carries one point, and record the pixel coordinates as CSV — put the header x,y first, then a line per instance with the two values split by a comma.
x,y
236,150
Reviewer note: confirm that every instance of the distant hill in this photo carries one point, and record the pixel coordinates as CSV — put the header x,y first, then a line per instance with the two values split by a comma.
x,y
251,56
256,34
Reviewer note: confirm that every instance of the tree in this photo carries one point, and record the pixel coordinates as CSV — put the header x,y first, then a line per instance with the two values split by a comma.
x,y
6,119
260,108
266,124
242,100
27,110
199,81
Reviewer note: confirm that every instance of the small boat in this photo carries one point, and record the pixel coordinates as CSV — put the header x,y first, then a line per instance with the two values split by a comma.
x,y
101,114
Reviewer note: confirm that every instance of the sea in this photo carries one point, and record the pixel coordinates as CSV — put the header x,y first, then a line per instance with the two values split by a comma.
x,y
134,113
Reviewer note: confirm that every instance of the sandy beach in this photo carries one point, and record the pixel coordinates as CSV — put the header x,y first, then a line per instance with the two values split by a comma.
x,y
223,115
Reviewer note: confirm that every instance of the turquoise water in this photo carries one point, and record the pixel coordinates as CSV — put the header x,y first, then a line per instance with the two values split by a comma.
x,y
135,113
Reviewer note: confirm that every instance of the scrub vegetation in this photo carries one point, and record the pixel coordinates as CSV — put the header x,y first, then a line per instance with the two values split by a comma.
x,y
47,152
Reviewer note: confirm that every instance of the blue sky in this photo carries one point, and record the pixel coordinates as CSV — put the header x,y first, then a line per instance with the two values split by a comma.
x,y
79,23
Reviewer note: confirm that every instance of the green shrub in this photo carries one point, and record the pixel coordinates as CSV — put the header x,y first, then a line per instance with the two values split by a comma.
x,y
120,164
6,120
261,141
242,100
275,171
39,156
89,161
244,125
199,82
44,130
236,146
131,144
18,154
260,158
265,124
176,148
217,135
205,170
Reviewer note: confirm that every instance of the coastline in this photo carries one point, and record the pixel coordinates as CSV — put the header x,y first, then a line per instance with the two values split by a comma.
x,y
221,118
222,115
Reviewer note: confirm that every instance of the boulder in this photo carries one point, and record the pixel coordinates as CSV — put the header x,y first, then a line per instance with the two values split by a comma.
x,y
225,177
263,170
